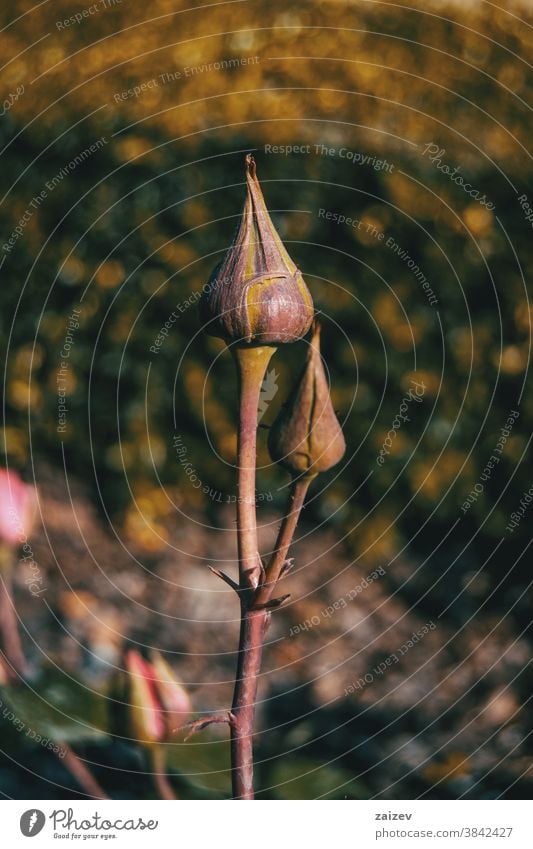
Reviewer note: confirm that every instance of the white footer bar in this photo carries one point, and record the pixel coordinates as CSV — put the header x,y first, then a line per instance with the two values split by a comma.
x,y
263,825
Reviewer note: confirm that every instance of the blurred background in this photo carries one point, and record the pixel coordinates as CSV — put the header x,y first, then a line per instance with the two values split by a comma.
x,y
392,143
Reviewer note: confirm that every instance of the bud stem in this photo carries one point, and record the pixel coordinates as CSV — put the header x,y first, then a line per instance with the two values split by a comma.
x,y
299,488
251,367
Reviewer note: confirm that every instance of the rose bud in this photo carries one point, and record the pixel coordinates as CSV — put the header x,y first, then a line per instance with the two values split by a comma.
x,y
256,295
157,703
173,696
18,502
306,437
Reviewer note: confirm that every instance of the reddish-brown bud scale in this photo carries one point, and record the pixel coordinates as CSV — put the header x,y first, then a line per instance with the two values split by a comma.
x,y
256,295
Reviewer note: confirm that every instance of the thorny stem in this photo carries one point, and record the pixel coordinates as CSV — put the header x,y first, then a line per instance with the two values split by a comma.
x,y
254,624
81,773
160,776
251,367
298,492
255,586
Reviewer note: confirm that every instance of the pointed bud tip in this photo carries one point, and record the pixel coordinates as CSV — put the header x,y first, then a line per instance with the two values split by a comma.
x,y
251,167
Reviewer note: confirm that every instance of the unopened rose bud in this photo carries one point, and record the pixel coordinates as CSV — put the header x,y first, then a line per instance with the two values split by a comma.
x,y
157,704
18,502
146,723
257,295
306,437
174,698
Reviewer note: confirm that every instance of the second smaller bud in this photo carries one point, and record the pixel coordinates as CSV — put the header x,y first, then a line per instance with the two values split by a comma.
x,y
306,437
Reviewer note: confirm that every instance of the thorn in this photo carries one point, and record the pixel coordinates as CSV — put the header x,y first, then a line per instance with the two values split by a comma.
x,y
287,566
273,602
226,578
198,725
252,573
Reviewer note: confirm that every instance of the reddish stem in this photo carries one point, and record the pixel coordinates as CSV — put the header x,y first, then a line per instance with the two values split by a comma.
x,y
254,624
81,772
251,366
